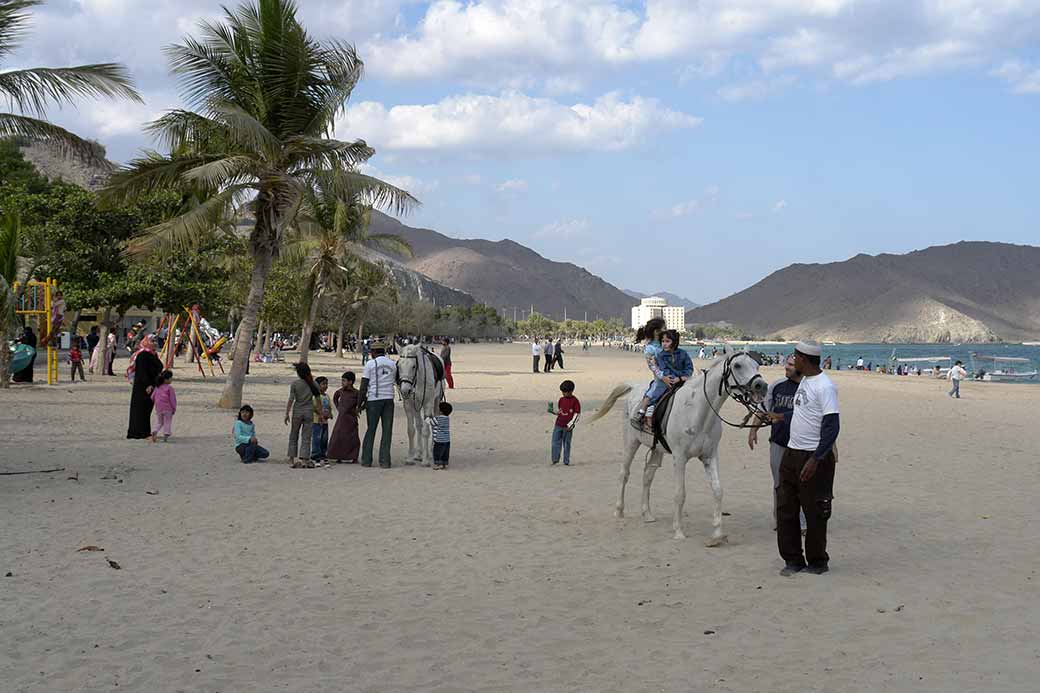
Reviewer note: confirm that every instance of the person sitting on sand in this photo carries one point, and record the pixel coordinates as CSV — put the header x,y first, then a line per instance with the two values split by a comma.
x,y
651,334
246,445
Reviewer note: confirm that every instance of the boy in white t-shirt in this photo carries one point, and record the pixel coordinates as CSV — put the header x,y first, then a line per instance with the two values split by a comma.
x,y
807,468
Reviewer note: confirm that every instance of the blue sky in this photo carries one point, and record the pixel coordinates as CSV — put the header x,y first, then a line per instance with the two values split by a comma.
x,y
689,146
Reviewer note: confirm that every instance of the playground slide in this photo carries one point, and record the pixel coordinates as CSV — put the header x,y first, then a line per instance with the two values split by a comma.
x,y
21,356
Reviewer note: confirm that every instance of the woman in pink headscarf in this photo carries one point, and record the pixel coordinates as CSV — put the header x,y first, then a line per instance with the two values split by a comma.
x,y
144,372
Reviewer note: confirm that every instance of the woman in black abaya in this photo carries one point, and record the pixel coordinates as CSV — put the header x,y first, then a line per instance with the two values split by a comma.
x,y
26,374
144,371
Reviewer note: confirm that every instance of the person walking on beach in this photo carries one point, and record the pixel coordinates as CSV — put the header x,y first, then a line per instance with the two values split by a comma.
x,y
547,350
344,444
320,427
299,416
569,409
536,353
956,375
165,400
92,341
144,371
807,467
377,399
558,352
246,444
446,360
779,400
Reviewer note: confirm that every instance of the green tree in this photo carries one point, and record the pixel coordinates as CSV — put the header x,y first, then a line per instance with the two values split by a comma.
x,y
265,96
31,90
334,227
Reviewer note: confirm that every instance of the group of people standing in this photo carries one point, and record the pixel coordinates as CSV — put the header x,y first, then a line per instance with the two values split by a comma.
x,y
549,353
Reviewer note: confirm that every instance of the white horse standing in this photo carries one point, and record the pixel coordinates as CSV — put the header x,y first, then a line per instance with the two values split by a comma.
x,y
694,429
422,391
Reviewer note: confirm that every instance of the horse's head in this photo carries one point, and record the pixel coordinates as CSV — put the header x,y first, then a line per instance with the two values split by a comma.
x,y
407,369
741,377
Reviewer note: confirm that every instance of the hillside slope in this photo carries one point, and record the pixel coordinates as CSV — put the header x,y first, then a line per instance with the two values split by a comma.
x,y
966,292
505,274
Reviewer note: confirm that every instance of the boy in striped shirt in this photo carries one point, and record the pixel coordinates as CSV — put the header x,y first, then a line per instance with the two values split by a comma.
x,y
441,436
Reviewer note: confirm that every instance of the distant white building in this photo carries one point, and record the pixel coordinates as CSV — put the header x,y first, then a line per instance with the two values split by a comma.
x,y
656,307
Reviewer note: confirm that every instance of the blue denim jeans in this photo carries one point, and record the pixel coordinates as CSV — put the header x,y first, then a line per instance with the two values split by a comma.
x,y
251,452
319,441
561,438
955,391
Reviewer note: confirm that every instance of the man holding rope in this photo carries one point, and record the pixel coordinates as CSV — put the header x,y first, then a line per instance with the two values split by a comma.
x,y
807,467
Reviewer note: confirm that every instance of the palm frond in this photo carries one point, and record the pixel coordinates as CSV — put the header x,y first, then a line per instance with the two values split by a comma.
x,y
186,230
187,130
10,246
222,172
42,131
150,173
317,153
390,242
33,89
244,130
14,21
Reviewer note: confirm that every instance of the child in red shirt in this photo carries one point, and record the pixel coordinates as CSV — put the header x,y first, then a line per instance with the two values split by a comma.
x,y
569,410
76,361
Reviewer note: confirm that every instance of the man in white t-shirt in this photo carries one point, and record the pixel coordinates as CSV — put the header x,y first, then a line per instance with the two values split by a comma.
x,y
536,353
956,375
807,468
377,399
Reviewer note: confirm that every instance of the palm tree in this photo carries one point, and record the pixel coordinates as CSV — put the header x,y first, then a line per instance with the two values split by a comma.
x,y
10,248
30,91
334,230
265,97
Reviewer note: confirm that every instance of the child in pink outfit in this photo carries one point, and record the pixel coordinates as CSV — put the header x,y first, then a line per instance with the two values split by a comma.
x,y
165,400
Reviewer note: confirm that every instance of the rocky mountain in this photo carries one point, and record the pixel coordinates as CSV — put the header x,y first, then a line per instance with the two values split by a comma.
x,y
505,274
964,292
673,299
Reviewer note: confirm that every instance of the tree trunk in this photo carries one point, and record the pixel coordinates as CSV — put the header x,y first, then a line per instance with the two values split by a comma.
x,y
102,362
339,340
260,336
268,337
231,398
308,327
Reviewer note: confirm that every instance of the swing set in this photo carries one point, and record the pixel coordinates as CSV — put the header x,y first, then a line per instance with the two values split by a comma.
x,y
38,302
189,327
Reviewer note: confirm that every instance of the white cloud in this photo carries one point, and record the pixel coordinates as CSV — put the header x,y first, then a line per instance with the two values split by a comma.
x,y
512,122
571,228
780,206
688,207
512,185
555,42
1023,78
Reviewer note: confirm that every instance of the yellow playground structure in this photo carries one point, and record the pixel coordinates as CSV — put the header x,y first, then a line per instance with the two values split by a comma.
x,y
200,339
42,301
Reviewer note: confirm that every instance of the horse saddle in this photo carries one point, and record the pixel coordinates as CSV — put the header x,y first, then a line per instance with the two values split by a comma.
x,y
438,366
659,424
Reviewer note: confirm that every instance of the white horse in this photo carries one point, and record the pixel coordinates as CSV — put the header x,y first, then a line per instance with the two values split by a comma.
x,y
422,392
693,429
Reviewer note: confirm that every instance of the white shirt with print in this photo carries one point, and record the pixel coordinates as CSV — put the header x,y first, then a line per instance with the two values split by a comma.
x,y
381,373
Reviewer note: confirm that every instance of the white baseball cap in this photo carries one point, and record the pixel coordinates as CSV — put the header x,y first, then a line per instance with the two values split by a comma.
x,y
808,348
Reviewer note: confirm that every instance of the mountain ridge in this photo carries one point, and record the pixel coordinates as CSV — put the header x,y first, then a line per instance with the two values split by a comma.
x,y
970,291
506,274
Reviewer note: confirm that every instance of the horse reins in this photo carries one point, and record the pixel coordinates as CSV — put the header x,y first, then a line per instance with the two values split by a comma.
x,y
741,393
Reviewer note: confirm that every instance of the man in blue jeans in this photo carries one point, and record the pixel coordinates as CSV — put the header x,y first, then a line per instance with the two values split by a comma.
x,y
569,409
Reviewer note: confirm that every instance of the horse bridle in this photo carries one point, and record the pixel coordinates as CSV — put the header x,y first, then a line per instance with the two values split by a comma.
x,y
420,352
742,393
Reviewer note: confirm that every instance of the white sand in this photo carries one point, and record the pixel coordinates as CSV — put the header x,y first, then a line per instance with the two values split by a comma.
x,y
502,573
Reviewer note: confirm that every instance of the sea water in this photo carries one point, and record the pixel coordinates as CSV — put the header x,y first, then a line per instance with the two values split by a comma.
x,y
881,354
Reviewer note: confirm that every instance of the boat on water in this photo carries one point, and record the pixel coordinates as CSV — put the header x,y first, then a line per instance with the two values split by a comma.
x,y
1030,343
1004,368
925,363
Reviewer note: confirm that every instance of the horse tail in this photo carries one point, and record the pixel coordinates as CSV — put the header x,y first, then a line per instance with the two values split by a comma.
x,y
618,392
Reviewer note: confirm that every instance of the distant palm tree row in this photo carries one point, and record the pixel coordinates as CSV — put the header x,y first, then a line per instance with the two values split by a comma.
x,y
261,99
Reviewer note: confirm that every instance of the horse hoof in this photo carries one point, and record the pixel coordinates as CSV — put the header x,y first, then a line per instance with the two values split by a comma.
x,y
717,541
647,517
424,464
410,463
679,535
619,513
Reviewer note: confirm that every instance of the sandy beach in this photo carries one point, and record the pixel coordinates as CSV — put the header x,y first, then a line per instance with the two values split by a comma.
x,y
503,573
